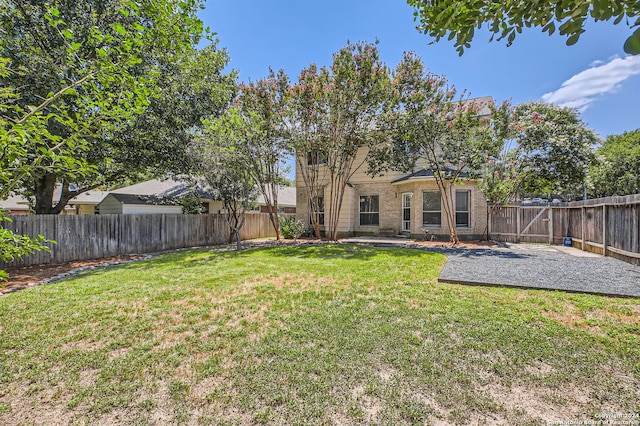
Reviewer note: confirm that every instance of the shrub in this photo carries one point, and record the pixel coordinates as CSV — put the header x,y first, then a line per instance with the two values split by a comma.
x,y
290,227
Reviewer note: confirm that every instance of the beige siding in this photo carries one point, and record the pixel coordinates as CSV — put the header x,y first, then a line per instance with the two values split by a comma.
x,y
110,206
85,209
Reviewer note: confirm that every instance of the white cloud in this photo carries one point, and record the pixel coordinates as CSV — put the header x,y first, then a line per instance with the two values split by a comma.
x,y
584,88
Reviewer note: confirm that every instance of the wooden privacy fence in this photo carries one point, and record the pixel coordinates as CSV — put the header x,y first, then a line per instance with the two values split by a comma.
x,y
608,226
83,237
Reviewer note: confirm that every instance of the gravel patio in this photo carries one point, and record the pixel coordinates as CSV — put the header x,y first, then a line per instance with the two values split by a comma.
x,y
535,266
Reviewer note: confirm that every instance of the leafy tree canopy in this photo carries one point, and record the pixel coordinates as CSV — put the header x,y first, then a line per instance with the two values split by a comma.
x,y
554,148
138,88
617,169
459,19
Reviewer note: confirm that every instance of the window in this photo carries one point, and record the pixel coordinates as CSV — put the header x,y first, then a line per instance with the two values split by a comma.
x,y
319,213
315,158
462,209
431,209
369,210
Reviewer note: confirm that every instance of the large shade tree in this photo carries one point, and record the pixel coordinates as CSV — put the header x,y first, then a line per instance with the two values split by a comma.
x,y
138,70
617,168
554,149
460,19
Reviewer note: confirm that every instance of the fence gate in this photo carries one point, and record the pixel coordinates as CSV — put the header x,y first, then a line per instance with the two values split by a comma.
x,y
530,223
536,224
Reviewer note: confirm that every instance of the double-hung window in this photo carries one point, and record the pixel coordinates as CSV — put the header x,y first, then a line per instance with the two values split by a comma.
x,y
431,209
369,210
462,209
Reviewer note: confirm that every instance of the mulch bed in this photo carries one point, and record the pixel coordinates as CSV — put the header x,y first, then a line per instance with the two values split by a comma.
x,y
25,276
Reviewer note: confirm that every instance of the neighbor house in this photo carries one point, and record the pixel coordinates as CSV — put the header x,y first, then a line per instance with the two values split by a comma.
x,y
166,194
400,203
115,203
84,203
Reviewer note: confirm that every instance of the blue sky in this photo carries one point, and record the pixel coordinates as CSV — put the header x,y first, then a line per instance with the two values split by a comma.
x,y
594,75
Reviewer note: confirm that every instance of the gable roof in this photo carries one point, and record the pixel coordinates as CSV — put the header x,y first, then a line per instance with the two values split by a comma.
x,y
166,188
92,196
15,203
422,174
145,199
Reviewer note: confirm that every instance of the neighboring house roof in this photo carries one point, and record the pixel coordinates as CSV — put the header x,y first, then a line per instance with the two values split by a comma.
x,y
92,197
286,197
145,199
421,175
15,203
167,188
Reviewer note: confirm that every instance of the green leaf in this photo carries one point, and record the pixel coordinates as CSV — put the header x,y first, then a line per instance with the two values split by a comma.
x,y
573,39
119,28
632,45
67,33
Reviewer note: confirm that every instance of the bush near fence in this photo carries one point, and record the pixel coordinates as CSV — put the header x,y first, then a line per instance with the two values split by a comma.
x,y
84,237
608,226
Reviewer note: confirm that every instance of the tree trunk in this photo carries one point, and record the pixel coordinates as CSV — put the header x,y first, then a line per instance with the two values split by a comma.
x,y
44,190
238,240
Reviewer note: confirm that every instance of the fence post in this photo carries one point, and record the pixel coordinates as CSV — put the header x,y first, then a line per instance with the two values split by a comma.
x,y
550,225
583,246
518,224
604,229
489,215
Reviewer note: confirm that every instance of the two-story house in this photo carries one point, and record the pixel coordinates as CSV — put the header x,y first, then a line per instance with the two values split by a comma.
x,y
401,203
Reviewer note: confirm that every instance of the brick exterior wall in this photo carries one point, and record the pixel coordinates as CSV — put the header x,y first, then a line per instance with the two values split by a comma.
x,y
390,203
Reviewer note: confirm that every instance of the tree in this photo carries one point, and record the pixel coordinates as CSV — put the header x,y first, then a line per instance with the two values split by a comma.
x,y
265,147
221,163
458,19
554,149
20,130
141,103
429,128
617,169
334,114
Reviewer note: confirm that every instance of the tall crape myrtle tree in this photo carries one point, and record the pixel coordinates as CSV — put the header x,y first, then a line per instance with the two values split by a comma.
x,y
304,108
429,127
266,146
554,149
127,56
335,114
220,159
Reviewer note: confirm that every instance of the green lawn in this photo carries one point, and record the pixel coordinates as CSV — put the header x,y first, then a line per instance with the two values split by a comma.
x,y
326,334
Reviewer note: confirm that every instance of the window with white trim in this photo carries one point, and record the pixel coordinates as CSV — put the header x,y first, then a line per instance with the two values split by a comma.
x,y
431,209
369,210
